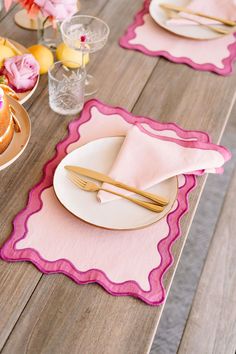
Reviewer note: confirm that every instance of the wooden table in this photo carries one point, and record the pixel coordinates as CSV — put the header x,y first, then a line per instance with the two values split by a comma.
x,y
52,314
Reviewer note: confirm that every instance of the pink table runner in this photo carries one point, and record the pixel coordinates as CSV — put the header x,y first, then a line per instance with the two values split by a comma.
x,y
146,36
123,262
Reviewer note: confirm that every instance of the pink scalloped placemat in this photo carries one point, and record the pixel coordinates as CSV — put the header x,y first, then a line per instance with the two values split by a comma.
x,y
122,262
147,37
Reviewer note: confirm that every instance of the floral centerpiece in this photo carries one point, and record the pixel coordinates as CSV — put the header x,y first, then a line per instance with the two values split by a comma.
x,y
54,9
45,11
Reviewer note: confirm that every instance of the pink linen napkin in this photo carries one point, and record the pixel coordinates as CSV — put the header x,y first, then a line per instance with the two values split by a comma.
x,y
218,8
160,158
216,55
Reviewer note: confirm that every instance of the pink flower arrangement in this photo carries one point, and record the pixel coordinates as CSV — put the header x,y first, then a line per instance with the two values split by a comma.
x,y
29,5
54,9
57,9
22,72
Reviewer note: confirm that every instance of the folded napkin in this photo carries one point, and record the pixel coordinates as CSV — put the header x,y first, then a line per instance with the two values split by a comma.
x,y
219,8
146,159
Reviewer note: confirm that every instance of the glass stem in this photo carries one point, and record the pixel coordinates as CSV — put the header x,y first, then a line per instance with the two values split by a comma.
x,y
84,67
43,27
83,62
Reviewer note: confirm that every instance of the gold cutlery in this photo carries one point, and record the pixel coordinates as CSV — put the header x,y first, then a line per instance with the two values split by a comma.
x,y
172,14
200,14
103,178
89,186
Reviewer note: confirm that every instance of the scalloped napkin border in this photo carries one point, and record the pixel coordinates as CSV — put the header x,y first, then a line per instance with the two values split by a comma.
x,y
130,34
156,294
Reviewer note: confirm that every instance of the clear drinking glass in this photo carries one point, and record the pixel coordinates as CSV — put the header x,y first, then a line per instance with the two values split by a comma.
x,y
66,84
86,34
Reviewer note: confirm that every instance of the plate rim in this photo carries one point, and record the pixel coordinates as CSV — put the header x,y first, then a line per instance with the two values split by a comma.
x,y
112,228
19,153
174,32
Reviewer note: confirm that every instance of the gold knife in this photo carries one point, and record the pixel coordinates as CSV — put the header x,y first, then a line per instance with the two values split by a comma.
x,y
103,178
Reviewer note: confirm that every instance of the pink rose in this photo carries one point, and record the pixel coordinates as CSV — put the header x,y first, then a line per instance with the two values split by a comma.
x,y
22,72
58,9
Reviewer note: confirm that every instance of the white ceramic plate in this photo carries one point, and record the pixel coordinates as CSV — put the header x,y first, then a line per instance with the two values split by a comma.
x,y
20,140
120,214
195,31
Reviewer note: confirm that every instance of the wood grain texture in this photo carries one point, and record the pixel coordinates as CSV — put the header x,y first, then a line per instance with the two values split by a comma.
x,y
59,316
17,281
211,325
27,170
3,13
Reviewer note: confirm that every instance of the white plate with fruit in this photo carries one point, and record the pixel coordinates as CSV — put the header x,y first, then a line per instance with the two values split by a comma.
x,y
23,81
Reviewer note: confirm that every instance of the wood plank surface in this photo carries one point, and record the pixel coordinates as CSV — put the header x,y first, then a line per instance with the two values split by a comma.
x,y
27,170
211,325
17,282
51,314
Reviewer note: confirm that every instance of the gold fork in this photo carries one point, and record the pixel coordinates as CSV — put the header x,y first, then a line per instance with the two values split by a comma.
x,y
172,14
93,187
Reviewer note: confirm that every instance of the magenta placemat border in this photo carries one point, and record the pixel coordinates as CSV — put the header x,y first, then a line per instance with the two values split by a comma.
x,y
138,21
156,295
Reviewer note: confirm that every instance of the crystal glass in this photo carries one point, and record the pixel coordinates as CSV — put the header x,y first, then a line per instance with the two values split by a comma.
x,y
86,34
66,84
